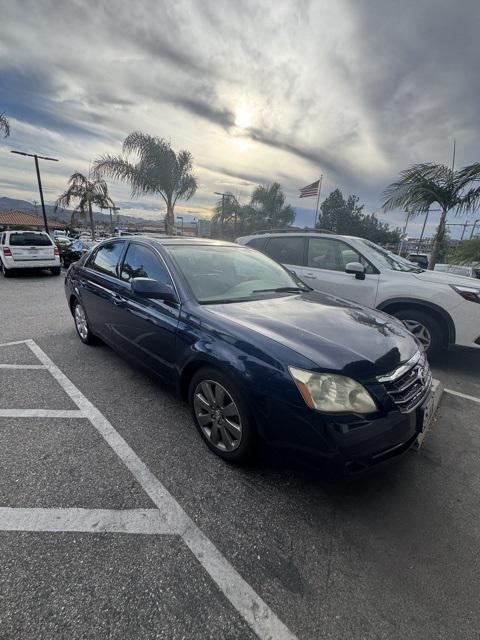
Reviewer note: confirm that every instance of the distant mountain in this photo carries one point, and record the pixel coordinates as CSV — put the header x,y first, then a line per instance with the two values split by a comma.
x,y
65,214
12,203
61,214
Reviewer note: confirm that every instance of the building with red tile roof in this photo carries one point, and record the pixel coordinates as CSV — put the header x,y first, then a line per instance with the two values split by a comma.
x,y
14,217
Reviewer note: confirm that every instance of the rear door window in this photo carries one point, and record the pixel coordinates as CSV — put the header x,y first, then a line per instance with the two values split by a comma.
x,y
289,250
30,240
105,260
141,262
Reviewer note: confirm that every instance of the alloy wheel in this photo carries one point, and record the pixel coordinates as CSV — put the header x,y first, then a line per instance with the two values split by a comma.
x,y
81,321
218,415
420,331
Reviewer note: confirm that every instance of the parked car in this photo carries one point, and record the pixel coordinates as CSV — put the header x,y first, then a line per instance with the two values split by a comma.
x,y
28,250
255,351
472,271
421,259
439,309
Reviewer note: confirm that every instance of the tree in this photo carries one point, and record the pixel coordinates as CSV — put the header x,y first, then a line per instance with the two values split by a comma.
x,y
156,169
467,252
87,193
4,125
422,185
269,204
347,217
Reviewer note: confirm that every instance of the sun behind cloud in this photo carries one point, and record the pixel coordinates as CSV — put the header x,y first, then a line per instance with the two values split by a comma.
x,y
243,117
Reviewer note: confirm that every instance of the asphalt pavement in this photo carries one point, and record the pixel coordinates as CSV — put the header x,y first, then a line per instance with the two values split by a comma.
x,y
89,551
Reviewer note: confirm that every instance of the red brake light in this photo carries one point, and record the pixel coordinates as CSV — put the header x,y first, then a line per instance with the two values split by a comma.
x,y
56,251
7,251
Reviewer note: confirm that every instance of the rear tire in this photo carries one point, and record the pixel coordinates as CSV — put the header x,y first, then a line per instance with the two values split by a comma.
x,y
7,273
424,327
221,416
56,271
81,324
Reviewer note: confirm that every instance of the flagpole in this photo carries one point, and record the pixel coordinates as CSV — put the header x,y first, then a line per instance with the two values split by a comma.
x,y
318,200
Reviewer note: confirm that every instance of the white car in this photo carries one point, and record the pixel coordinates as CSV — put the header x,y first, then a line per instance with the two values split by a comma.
x,y
440,309
28,250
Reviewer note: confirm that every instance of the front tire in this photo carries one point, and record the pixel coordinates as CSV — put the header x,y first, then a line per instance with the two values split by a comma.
x,y
81,324
221,416
424,327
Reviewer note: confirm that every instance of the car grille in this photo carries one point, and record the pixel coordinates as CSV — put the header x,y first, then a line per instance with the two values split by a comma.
x,y
408,391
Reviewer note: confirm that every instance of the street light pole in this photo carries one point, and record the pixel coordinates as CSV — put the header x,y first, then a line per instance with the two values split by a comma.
x,y
181,218
37,168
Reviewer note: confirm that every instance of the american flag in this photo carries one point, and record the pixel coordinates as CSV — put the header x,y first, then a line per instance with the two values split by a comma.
x,y
310,190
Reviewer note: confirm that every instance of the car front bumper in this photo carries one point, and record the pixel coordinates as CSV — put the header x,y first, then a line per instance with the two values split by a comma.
x,y
349,444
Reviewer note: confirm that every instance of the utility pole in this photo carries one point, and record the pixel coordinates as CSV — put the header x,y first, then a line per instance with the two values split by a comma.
x,y
113,210
37,168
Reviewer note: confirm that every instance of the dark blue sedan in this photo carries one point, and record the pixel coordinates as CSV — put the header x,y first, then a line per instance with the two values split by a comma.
x,y
255,352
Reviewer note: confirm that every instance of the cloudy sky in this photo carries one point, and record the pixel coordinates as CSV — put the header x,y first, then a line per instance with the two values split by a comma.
x,y
257,90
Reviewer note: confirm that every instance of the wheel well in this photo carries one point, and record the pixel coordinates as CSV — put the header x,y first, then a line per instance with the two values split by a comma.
x,y
187,374
70,303
445,322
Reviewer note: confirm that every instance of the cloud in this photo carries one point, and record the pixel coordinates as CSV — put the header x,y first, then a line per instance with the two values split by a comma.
x,y
356,89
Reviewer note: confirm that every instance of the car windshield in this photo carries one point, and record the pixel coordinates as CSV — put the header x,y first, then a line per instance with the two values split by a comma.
x,y
29,240
391,260
228,274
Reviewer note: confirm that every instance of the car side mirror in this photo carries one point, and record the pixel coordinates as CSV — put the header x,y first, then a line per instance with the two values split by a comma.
x,y
357,269
149,288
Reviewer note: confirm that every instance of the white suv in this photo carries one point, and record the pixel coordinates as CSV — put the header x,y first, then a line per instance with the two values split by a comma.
x,y
28,250
438,308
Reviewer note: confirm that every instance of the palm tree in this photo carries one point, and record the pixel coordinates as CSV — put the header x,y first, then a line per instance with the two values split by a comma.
x,y
422,185
157,169
87,193
4,125
269,203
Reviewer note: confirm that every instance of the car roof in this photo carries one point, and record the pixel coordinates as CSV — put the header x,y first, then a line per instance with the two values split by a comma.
x,y
296,234
179,240
23,231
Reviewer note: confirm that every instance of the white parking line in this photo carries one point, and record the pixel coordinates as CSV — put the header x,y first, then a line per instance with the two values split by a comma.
x,y
22,366
144,521
465,396
246,601
41,413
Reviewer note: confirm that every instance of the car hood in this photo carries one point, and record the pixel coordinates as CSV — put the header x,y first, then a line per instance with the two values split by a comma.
x,y
332,333
446,278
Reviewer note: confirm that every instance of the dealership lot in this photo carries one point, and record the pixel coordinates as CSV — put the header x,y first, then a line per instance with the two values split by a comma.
x,y
116,521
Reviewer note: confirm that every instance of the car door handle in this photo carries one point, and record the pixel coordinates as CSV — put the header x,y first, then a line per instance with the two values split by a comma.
x,y
117,299
310,276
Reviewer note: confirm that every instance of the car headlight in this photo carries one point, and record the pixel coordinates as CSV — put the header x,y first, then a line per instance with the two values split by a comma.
x,y
332,393
469,293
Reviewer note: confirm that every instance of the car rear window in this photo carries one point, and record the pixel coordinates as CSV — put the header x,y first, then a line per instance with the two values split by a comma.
x,y
29,240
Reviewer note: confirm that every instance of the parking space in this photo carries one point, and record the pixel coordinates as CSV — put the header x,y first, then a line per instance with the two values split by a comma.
x,y
120,523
